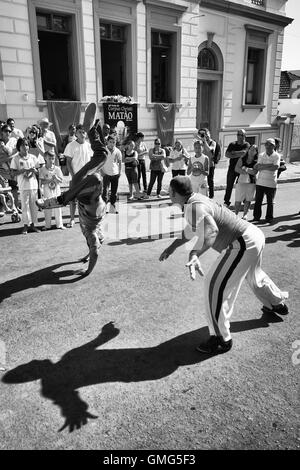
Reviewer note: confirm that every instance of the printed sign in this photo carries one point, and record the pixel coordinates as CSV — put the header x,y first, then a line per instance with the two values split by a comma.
x,y
123,117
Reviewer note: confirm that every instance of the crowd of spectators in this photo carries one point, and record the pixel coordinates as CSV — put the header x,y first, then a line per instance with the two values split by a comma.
x,y
32,165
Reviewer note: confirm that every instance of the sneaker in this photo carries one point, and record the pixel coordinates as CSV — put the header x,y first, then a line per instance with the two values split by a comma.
x,y
158,196
34,229
62,228
71,223
89,116
245,217
215,345
146,196
131,198
281,309
112,209
50,203
25,230
226,205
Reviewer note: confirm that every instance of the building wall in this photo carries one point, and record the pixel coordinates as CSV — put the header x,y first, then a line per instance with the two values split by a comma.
x,y
18,89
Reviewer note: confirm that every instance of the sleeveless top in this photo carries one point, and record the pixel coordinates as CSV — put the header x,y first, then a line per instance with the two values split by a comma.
x,y
230,226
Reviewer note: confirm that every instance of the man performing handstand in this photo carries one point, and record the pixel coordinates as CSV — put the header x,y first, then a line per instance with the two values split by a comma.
x,y
87,189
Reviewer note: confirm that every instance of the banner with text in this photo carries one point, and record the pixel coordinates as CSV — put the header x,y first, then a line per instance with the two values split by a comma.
x,y
165,115
123,117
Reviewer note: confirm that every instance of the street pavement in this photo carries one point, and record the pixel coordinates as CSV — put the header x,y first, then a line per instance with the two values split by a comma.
x,y
109,362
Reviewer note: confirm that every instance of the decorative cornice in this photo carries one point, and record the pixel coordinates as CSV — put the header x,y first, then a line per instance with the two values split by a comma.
x,y
180,5
248,12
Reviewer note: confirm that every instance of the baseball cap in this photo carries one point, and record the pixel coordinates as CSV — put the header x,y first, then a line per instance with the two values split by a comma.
x,y
271,141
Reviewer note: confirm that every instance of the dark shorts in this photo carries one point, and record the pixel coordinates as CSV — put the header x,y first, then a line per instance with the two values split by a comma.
x,y
132,175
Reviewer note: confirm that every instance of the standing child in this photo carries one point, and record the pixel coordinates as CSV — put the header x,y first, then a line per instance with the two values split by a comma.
x,y
198,169
25,167
51,178
131,169
142,151
245,188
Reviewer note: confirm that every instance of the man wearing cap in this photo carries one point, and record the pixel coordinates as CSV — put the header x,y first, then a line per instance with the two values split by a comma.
x,y
240,246
234,151
47,135
267,165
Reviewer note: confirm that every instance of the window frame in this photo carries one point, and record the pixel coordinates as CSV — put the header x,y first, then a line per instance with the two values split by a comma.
x,y
78,63
252,43
172,27
108,13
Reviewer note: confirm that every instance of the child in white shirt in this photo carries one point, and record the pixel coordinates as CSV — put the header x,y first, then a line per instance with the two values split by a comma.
x,y
25,167
198,169
51,178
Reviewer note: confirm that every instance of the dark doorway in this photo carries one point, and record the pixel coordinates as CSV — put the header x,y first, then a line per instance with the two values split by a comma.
x,y
204,94
112,59
55,66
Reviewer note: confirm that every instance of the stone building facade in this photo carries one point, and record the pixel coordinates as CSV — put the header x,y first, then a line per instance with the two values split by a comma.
x,y
218,61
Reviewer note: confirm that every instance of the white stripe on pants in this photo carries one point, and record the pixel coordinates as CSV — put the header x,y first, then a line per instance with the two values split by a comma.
x,y
29,207
222,284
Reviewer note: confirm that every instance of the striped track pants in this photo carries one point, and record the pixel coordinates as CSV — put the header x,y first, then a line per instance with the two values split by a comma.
x,y
241,260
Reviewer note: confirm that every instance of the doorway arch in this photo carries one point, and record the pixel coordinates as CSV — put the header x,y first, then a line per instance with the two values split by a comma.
x,y
209,87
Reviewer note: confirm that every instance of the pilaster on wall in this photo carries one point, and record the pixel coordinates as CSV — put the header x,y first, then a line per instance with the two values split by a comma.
x,y
89,49
186,117
17,88
229,70
277,74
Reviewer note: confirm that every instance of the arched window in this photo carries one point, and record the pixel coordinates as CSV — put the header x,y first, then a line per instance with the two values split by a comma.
x,y
207,60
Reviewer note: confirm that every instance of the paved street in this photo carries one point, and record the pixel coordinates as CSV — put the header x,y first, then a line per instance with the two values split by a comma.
x,y
112,357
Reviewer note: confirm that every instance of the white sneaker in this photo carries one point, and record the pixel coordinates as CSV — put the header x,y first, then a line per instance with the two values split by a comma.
x,y
71,223
245,217
112,209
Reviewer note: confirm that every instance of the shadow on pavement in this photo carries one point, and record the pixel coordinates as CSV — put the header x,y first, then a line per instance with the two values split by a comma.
x,y
148,238
85,365
38,278
292,235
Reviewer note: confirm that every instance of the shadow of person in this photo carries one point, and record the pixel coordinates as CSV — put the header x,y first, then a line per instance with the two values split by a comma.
x,y
85,365
292,235
147,238
38,278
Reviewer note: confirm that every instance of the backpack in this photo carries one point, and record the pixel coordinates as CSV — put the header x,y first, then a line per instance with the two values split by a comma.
x,y
217,154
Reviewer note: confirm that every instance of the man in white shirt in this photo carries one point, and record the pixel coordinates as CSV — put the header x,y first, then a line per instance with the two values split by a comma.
x,y
77,154
48,136
267,164
7,150
17,133
111,172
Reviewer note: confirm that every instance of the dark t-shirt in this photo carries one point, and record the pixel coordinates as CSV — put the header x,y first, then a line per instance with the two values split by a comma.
x,y
130,165
236,147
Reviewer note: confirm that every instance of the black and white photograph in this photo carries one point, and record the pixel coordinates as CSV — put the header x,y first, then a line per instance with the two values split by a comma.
x,y
149,228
